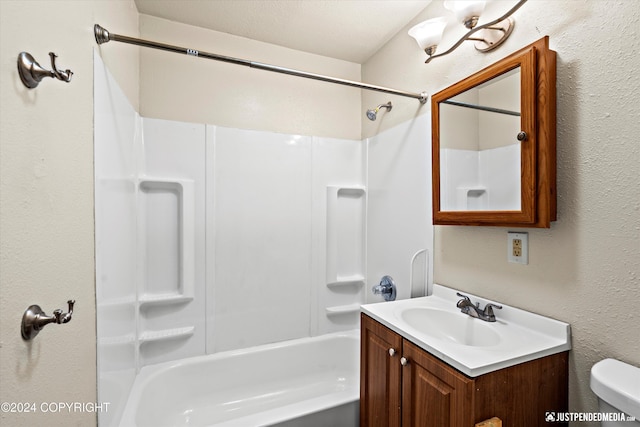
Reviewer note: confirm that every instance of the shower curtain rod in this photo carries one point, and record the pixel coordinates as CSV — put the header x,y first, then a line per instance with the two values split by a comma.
x,y
481,107
103,36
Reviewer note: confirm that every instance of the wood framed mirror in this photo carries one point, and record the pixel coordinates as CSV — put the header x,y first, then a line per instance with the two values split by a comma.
x,y
494,144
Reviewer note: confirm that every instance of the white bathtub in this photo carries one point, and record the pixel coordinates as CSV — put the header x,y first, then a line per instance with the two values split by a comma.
x,y
306,382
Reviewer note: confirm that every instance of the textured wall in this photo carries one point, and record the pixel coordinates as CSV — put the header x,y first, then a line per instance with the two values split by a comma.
x,y
46,200
585,269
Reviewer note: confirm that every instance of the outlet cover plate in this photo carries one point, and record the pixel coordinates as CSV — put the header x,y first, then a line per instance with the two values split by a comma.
x,y
518,247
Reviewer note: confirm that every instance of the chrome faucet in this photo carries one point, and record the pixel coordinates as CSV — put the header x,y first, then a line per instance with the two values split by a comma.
x,y
466,306
386,288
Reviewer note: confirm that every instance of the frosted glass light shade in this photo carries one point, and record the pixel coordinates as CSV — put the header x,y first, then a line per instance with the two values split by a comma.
x,y
428,34
465,9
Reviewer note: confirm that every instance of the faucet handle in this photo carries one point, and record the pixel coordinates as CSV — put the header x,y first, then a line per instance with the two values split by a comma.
x,y
488,310
387,288
465,301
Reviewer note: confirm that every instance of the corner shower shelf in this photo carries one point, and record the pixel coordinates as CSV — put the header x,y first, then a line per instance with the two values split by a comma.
x,y
117,302
342,309
164,299
355,280
116,340
166,334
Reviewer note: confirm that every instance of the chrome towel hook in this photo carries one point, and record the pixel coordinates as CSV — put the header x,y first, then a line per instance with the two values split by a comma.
x,y
34,319
31,73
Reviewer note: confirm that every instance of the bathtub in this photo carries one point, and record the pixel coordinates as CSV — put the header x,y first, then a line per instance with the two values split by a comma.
x,y
306,382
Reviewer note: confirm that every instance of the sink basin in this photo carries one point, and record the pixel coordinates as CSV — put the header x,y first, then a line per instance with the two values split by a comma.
x,y
472,346
453,326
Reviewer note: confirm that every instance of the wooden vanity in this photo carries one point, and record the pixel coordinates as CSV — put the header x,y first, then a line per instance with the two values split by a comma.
x,y
403,385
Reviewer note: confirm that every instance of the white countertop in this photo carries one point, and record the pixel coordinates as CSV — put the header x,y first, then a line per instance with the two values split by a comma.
x,y
520,336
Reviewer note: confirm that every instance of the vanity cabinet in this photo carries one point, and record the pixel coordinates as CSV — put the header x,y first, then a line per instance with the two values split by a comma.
x,y
402,385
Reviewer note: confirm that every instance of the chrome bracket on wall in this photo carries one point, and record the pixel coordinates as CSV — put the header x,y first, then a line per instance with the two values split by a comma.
x,y
31,73
34,319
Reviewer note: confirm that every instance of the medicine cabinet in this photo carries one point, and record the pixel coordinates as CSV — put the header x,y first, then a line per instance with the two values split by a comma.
x,y
494,144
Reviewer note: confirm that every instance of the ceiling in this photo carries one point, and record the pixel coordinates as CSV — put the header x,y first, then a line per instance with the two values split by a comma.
x,y
352,30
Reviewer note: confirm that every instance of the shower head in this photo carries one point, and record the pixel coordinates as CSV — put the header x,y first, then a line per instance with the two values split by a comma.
x,y
372,114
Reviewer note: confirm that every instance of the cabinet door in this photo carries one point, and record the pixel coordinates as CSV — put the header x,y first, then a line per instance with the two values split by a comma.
x,y
433,393
380,370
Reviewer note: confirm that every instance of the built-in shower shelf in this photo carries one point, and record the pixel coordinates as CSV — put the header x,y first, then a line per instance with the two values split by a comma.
x,y
167,235
164,299
117,302
166,334
337,310
117,340
345,281
346,235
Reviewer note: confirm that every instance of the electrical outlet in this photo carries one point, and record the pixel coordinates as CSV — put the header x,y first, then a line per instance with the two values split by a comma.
x,y
518,247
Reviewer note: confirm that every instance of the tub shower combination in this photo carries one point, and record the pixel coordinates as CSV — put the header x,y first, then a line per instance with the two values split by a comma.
x,y
311,382
191,331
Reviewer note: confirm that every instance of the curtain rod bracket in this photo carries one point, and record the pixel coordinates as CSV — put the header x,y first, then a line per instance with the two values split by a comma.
x,y
101,34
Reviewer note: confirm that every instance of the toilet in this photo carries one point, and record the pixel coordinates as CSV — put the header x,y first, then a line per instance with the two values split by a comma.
x,y
617,386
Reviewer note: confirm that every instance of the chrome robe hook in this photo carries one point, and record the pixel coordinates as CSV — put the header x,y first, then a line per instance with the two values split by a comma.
x,y
34,319
31,73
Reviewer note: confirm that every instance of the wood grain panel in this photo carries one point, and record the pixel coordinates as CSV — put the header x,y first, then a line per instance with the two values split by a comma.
x,y
433,393
380,375
427,392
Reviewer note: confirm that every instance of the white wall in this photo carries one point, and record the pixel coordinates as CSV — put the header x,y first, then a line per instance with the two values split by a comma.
x,y
191,89
267,231
399,212
274,188
46,199
117,150
267,219
584,270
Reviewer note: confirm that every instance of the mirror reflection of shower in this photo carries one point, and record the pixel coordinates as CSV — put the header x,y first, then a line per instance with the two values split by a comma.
x,y
372,114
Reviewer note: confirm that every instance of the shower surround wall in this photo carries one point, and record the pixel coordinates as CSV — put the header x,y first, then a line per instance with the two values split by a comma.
x,y
210,238
117,136
268,222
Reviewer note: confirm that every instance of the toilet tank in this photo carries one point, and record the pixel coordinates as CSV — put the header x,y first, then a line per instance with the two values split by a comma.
x,y
617,384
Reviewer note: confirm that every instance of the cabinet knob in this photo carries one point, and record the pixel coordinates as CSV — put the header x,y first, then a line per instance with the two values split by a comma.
x,y
522,136
392,352
404,361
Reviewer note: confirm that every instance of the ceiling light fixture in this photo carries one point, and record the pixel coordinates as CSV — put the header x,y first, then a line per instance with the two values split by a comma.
x,y
488,36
